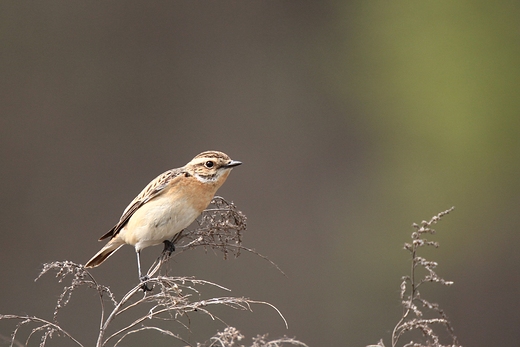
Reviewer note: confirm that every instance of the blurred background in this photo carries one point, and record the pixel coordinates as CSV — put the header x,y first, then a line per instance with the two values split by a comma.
x,y
354,119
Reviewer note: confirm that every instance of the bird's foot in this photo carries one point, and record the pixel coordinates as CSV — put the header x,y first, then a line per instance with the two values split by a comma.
x,y
169,247
144,285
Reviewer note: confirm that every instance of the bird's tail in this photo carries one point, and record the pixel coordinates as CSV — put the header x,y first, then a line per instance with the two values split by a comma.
x,y
105,252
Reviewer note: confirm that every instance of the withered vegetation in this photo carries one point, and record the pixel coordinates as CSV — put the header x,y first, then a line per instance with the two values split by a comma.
x,y
419,314
171,299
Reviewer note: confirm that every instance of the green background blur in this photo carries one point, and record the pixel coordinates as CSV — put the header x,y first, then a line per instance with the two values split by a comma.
x,y
353,120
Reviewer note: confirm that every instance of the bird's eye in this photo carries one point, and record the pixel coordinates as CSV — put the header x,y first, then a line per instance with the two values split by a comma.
x,y
209,164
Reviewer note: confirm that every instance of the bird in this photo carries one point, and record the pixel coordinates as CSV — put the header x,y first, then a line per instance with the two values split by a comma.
x,y
166,206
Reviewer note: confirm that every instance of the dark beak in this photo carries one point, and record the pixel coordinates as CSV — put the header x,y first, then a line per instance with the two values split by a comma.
x,y
233,163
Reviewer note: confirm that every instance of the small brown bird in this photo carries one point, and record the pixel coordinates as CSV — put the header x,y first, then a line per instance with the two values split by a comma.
x,y
167,205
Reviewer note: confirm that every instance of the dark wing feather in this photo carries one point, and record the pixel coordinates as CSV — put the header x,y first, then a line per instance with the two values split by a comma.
x,y
153,189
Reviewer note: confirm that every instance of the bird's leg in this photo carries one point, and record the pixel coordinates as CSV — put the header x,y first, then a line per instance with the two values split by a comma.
x,y
142,278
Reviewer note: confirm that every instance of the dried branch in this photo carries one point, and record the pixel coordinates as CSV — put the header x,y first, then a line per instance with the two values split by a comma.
x,y
231,336
48,328
171,299
411,300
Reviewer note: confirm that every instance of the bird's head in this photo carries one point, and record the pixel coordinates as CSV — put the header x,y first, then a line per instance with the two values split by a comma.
x,y
211,166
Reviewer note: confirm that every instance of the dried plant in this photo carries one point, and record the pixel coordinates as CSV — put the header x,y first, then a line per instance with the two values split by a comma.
x,y
413,318
219,228
231,336
171,298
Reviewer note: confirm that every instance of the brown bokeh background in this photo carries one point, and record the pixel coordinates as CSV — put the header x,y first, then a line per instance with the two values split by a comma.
x,y
353,120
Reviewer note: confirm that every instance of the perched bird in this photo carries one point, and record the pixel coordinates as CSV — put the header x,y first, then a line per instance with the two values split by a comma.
x,y
167,205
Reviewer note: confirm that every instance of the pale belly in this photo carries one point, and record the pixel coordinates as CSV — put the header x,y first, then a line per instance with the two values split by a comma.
x,y
156,221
